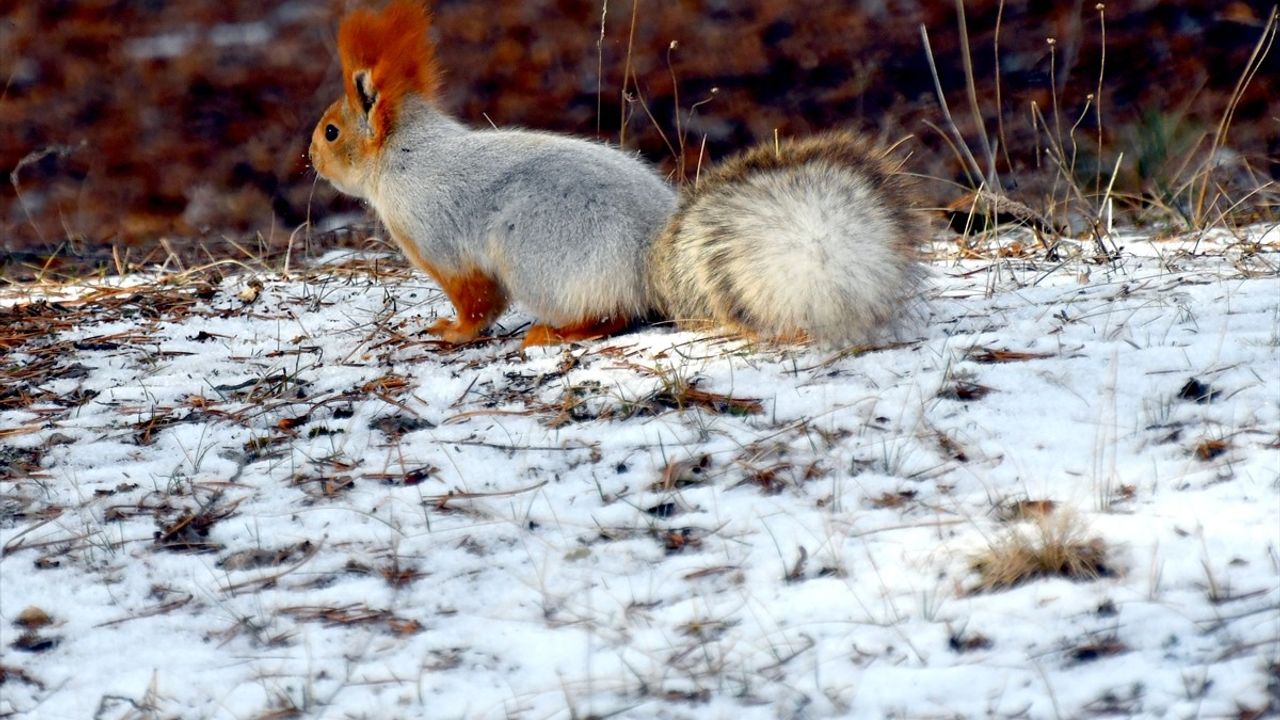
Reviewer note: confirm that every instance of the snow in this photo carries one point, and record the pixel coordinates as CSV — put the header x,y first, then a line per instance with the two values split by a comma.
x,y
401,529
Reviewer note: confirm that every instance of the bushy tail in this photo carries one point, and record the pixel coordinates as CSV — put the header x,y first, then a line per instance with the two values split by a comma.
x,y
816,237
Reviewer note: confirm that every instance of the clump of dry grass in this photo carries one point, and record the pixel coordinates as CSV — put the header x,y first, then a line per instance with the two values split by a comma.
x,y
1054,544
1104,166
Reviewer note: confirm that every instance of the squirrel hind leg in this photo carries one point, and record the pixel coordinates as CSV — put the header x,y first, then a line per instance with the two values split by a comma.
x,y
540,334
789,336
478,299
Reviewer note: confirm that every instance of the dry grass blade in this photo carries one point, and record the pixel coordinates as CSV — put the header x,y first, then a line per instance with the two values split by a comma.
x,y
1026,509
440,500
16,674
719,403
190,531
676,392
1207,450
971,88
965,391
21,430
271,578
262,557
1260,51
387,385
995,355
31,159
683,473
15,543
163,608
354,614
970,164
982,210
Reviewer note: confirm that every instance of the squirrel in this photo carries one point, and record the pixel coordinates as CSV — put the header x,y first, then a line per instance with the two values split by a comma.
x,y
811,239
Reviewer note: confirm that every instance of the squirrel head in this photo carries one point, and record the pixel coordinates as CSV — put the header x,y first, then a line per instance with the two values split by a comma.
x,y
387,58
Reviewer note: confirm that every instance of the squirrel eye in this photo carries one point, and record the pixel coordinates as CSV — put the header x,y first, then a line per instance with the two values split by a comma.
x,y
330,132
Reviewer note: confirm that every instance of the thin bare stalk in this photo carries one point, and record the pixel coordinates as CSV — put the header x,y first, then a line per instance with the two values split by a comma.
x,y
1260,51
1057,153
627,74
604,12
954,150
970,86
675,103
1075,148
1053,79
32,158
1102,67
1004,141
1034,111
970,164
649,114
1106,199
697,172
1262,188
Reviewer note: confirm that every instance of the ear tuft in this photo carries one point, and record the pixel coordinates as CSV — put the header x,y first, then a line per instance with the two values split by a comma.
x,y
388,56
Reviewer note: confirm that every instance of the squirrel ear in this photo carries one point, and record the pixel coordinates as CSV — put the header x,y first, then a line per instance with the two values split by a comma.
x,y
364,88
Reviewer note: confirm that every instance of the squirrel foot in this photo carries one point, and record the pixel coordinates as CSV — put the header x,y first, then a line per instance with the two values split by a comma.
x,y
794,336
478,298
790,337
540,334
455,331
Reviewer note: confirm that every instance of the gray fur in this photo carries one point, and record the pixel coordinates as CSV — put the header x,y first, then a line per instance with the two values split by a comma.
x,y
811,238
564,224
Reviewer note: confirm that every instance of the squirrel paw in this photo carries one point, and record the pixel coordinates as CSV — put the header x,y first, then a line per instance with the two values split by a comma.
x,y
540,334
454,331
477,298
793,336
786,337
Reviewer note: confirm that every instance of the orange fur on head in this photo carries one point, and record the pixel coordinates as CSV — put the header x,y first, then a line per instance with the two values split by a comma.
x,y
395,48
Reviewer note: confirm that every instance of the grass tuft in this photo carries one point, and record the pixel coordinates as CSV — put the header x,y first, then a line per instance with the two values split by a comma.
x,y
1054,545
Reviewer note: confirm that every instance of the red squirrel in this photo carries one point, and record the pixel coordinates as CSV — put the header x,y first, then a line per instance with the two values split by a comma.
x,y
812,239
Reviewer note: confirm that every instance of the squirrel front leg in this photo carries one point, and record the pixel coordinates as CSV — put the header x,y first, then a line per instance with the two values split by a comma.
x,y
477,297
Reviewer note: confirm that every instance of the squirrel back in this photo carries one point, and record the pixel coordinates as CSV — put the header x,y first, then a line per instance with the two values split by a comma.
x,y
813,238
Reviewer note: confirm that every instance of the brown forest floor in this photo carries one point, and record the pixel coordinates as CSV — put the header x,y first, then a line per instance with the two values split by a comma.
x,y
150,128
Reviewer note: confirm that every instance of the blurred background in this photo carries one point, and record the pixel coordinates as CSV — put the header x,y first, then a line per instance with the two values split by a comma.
x,y
140,131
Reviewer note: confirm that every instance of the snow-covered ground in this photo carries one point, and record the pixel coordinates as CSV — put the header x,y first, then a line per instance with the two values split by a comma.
x,y
226,502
